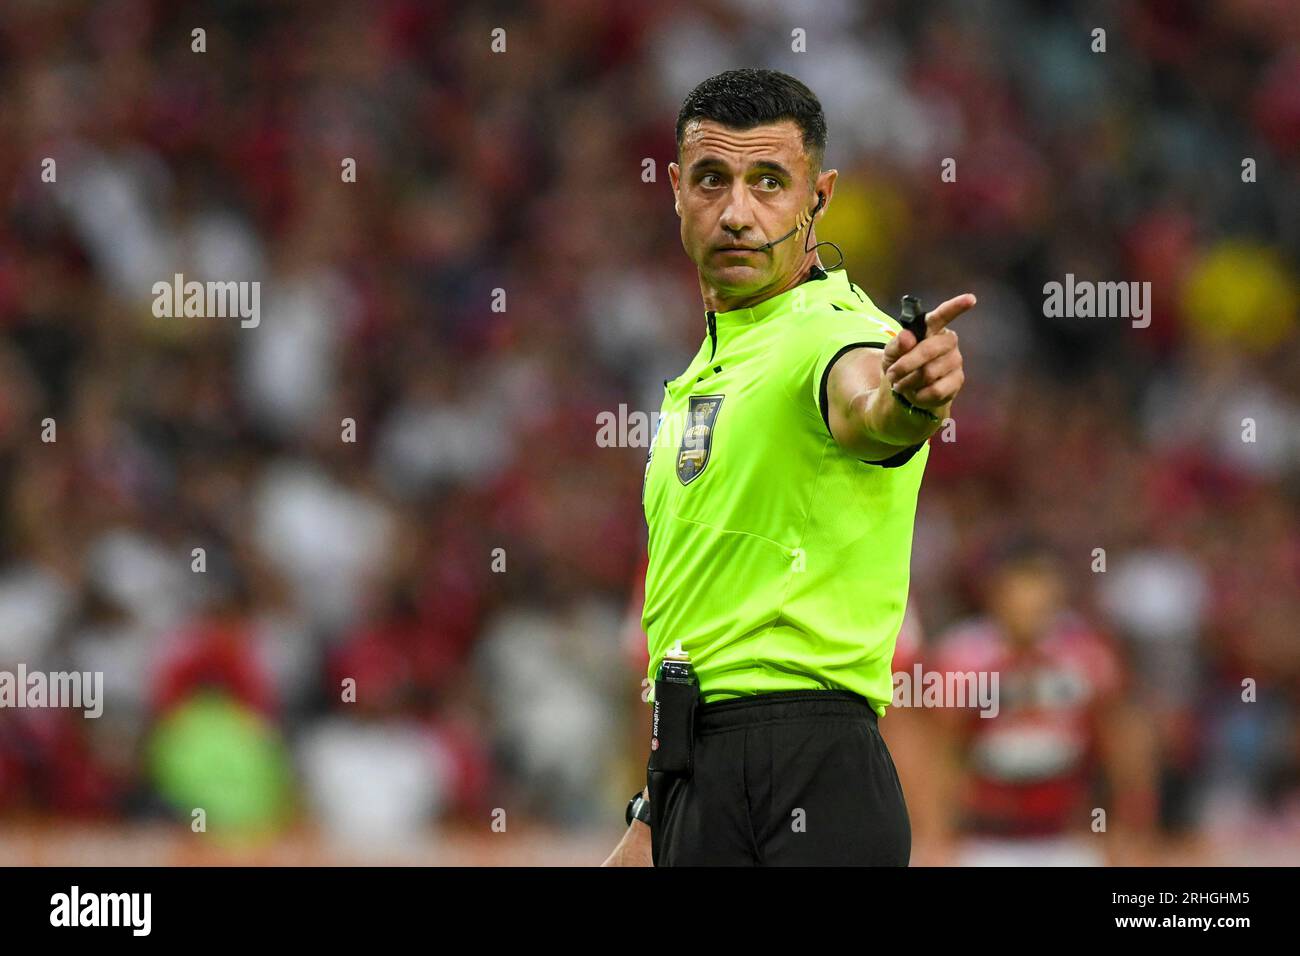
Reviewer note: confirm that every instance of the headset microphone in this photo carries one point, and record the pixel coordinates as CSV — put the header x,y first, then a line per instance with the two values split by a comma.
x,y
804,219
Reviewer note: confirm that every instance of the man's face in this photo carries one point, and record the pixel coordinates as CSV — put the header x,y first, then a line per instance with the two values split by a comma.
x,y
738,189
1025,599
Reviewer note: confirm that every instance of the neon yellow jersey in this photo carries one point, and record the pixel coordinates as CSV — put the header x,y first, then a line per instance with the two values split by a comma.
x,y
779,560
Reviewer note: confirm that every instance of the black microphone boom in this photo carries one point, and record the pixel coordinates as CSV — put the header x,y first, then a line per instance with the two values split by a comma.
x,y
804,220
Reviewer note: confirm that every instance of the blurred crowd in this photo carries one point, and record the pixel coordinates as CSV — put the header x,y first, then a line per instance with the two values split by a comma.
x,y
412,599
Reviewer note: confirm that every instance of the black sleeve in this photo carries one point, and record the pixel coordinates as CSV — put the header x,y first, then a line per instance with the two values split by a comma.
x,y
893,461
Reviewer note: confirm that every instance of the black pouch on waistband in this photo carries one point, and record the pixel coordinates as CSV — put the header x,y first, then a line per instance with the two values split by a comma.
x,y
672,735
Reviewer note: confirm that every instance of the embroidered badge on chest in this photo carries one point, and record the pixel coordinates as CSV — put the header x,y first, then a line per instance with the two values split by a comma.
x,y
697,438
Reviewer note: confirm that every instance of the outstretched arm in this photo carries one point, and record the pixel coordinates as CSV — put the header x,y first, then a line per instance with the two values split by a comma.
x,y
867,417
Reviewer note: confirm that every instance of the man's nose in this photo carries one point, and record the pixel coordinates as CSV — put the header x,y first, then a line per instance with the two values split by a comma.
x,y
738,215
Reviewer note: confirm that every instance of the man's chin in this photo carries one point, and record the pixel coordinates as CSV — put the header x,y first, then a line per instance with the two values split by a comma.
x,y
740,277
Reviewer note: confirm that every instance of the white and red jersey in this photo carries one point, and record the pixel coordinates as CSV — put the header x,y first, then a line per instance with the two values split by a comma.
x,y
1030,768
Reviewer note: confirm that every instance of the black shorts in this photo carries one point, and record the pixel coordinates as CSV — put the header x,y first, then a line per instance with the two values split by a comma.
x,y
798,778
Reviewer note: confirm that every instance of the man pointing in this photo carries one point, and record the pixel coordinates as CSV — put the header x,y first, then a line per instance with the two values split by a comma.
x,y
780,507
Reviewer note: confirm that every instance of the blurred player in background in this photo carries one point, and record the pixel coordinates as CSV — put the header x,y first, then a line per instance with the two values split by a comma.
x,y
1020,787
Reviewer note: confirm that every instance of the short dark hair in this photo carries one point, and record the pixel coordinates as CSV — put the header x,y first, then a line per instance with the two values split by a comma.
x,y
743,99
1023,550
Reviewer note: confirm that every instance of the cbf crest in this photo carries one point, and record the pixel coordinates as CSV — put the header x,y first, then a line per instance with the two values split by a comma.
x,y
697,438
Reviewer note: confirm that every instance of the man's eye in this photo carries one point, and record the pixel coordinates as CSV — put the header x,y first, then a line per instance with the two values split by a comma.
x,y
711,179
770,182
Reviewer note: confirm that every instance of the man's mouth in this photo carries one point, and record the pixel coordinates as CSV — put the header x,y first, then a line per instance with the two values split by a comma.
x,y
736,249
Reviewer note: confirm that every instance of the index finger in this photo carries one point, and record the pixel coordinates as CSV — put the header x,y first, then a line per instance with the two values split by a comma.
x,y
938,317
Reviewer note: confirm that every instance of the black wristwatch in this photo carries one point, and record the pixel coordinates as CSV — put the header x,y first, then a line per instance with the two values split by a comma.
x,y
638,808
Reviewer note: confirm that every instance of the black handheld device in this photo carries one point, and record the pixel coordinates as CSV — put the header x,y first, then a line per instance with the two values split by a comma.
x,y
913,316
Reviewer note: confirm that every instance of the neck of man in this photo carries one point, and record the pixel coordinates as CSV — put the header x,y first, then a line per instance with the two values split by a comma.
x,y
717,300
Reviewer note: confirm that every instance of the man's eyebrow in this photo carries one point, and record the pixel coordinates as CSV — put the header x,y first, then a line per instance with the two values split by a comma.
x,y
762,165
771,165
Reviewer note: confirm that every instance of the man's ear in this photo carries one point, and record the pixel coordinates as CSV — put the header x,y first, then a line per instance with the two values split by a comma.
x,y
826,186
674,175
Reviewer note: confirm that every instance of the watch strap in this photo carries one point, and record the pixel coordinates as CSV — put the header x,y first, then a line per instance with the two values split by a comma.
x,y
638,808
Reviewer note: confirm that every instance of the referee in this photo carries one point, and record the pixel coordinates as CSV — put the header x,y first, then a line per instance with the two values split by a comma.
x,y
780,492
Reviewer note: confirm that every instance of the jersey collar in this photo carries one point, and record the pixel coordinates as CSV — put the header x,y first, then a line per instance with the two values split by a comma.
x,y
818,286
